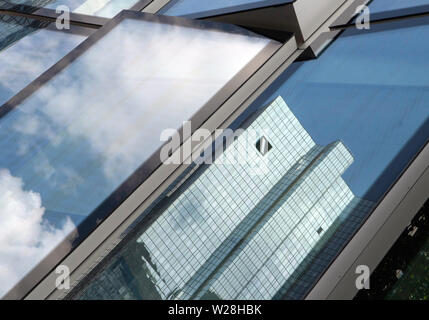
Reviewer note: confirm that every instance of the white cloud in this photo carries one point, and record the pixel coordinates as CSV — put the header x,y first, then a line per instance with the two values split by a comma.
x,y
120,98
22,62
25,237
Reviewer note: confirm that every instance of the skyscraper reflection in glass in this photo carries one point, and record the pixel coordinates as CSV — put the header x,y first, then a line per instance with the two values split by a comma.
x,y
238,231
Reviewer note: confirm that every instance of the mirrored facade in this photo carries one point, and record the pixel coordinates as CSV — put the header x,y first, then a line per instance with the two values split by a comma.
x,y
378,6
240,231
101,8
28,51
71,158
83,112
379,113
187,7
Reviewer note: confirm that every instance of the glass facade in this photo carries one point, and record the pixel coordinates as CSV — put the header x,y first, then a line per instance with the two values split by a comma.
x,y
380,113
71,159
101,8
81,119
28,51
187,7
239,231
393,9
365,91
14,28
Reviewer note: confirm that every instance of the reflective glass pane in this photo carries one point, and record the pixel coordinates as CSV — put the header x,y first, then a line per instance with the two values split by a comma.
x,y
34,51
366,92
71,144
102,8
388,5
341,130
185,7
13,28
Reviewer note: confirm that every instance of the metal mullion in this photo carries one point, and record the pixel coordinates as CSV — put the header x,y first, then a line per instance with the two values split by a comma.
x,y
140,5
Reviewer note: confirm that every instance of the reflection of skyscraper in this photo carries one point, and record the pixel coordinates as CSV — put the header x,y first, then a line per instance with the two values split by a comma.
x,y
129,277
238,232
13,28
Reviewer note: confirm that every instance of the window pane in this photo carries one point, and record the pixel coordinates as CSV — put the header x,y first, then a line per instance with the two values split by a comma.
x,y
34,51
71,144
185,7
102,8
342,128
377,6
366,92
14,28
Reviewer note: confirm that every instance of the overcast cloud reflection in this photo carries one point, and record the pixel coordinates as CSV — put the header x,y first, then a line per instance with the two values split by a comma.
x,y
75,140
25,60
102,8
25,236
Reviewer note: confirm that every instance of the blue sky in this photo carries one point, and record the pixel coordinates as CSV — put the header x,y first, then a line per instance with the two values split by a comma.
x,y
369,92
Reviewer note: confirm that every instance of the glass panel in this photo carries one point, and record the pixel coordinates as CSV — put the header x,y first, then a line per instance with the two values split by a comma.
x,y
13,28
377,6
185,7
72,143
102,8
34,52
342,128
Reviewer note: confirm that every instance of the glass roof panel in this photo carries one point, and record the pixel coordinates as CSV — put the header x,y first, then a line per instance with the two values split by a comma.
x,y
73,146
342,128
377,6
102,8
28,52
188,7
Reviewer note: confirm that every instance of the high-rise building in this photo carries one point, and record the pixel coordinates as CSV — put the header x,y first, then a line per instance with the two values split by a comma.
x,y
245,224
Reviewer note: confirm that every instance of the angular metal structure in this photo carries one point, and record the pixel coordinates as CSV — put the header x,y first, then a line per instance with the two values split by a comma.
x,y
84,136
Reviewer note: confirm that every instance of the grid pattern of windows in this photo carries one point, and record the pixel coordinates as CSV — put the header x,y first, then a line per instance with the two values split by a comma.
x,y
61,135
286,238
14,28
242,230
240,237
184,7
200,220
326,250
384,5
266,227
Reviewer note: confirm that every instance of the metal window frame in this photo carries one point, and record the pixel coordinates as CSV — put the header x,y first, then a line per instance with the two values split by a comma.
x,y
394,211
108,234
399,205
146,170
403,197
76,19
302,17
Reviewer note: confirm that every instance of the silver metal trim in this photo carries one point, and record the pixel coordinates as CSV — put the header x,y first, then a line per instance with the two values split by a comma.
x,y
155,6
